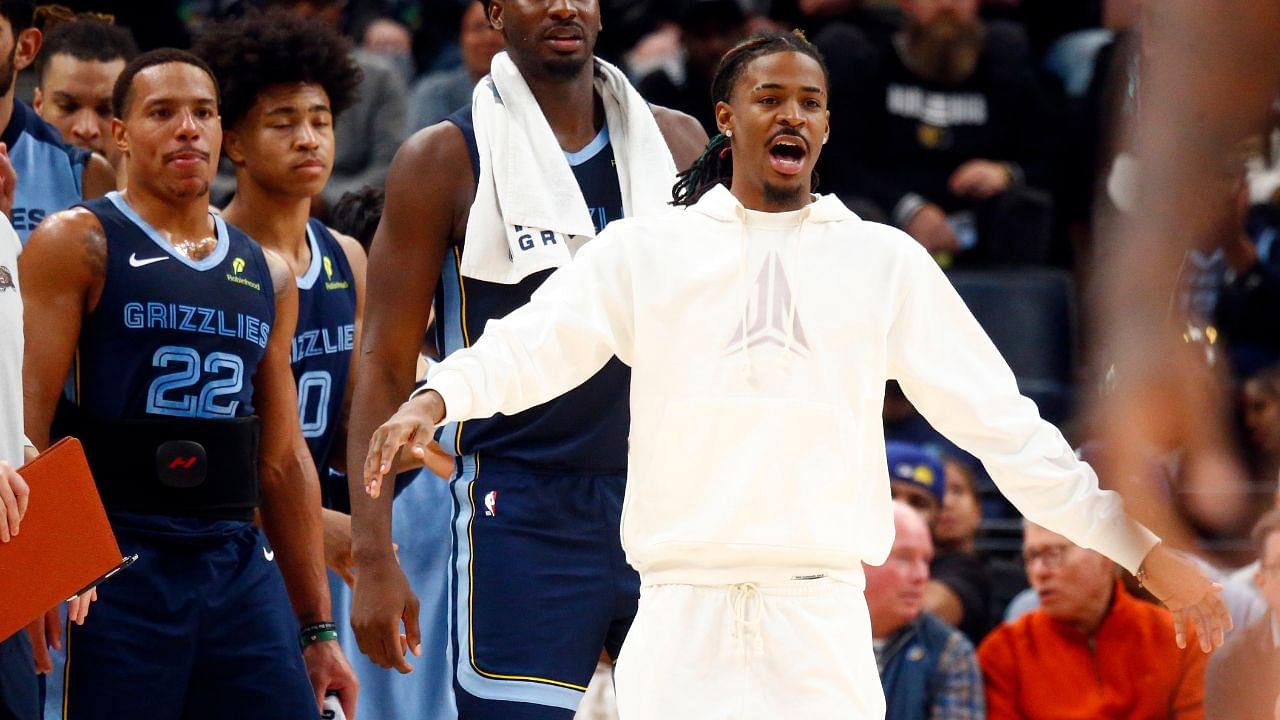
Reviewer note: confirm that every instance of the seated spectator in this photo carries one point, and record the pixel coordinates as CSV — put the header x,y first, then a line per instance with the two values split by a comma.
x,y
75,74
928,669
1092,650
369,132
437,95
959,592
915,478
708,29
1243,679
943,129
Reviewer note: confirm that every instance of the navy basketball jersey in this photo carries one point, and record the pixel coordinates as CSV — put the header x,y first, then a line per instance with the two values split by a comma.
x,y
324,340
586,428
171,336
49,171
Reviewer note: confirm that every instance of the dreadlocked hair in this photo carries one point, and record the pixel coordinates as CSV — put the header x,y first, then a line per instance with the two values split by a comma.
x,y
715,164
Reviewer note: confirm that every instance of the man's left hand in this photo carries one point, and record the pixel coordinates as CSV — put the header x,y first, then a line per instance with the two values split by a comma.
x,y
329,670
1190,596
980,180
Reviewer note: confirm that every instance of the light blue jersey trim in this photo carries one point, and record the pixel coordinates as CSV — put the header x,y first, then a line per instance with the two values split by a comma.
x,y
592,149
467,676
215,258
309,278
451,316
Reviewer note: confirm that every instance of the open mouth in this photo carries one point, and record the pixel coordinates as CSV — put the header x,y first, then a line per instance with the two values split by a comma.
x,y
787,154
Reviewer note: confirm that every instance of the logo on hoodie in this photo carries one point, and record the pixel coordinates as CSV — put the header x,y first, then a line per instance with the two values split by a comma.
x,y
770,314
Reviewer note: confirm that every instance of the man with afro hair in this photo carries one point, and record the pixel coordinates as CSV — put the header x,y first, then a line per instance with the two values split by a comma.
x,y
284,80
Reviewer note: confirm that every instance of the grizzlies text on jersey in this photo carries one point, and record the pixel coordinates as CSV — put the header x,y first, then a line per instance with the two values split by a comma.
x,y
324,340
172,336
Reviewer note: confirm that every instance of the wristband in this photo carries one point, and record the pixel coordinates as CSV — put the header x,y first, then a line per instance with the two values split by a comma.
x,y
318,632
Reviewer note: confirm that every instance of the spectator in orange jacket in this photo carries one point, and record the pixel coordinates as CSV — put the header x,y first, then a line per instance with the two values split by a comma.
x,y
1091,651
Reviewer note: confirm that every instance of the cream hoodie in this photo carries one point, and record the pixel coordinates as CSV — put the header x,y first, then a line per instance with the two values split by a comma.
x,y
759,345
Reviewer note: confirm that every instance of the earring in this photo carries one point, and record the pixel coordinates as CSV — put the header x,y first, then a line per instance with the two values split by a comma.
x,y
728,133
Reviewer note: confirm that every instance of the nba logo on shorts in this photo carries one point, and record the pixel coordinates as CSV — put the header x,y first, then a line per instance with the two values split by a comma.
x,y
491,504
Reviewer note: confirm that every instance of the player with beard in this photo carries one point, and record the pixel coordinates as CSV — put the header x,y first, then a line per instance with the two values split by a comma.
x,y
541,585
178,328
51,176
938,126
757,482
75,73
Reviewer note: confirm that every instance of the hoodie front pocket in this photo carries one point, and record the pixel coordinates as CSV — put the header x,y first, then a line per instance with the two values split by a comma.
x,y
749,471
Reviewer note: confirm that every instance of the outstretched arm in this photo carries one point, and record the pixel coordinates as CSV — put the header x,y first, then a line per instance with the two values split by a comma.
x,y
580,317
973,399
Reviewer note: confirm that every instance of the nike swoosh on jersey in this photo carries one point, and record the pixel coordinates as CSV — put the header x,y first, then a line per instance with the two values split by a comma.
x,y
268,554
135,262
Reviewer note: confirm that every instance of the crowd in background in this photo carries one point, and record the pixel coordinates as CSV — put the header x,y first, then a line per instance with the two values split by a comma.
x,y
994,133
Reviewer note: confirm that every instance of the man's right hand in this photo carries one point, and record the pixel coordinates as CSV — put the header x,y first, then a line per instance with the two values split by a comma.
x,y
414,425
930,228
381,602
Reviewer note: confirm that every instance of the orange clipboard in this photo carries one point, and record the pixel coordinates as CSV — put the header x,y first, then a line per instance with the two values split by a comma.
x,y
65,545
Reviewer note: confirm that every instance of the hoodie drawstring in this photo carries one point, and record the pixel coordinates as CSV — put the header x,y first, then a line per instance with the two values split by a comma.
x,y
744,603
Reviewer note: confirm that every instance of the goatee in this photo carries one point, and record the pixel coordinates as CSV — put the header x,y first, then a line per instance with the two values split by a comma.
x,y
775,196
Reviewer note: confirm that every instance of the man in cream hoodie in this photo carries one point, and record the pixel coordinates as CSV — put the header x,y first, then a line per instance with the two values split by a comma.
x,y
761,323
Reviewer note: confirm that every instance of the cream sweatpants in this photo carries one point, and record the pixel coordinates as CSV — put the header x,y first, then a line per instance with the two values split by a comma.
x,y
799,650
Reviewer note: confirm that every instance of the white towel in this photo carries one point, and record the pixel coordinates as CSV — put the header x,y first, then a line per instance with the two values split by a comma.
x,y
529,214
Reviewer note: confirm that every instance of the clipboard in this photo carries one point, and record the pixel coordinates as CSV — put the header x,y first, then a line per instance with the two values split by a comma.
x,y
65,545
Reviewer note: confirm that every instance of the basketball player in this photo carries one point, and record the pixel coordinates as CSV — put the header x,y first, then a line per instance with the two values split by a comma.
x,y
52,176
178,329
757,484
541,584
75,73
284,79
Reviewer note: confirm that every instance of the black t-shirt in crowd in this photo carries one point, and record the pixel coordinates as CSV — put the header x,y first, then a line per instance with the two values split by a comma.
x,y
966,575
895,133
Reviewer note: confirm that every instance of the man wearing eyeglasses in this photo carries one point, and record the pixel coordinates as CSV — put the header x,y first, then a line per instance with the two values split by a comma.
x,y
1091,650
1243,681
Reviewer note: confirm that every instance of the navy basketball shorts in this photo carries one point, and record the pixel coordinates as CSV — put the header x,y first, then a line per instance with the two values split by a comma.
x,y
540,587
199,627
19,685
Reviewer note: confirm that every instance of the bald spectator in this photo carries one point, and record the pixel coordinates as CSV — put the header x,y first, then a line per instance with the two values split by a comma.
x,y
915,478
928,669
439,94
1091,650
1243,681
